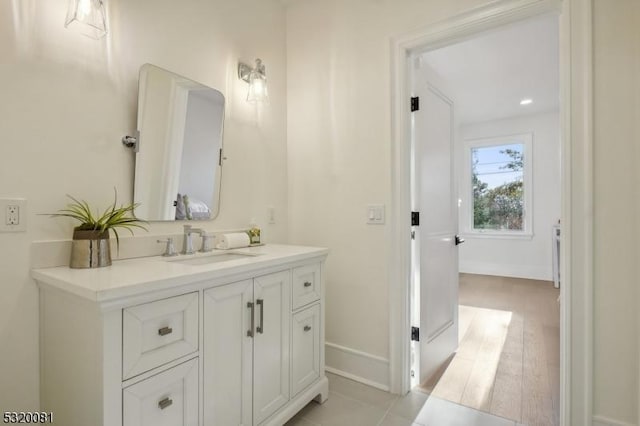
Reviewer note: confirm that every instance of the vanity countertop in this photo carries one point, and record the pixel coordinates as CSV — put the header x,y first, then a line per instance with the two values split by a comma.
x,y
131,277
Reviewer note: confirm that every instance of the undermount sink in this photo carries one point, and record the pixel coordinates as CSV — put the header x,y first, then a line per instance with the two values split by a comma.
x,y
213,258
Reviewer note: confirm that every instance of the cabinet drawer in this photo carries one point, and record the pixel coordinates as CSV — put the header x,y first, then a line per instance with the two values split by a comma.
x,y
158,332
305,359
166,399
306,285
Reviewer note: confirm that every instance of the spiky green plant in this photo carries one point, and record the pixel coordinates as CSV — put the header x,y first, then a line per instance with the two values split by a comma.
x,y
112,218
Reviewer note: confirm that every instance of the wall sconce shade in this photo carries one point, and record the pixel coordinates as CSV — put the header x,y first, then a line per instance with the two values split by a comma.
x,y
87,17
257,79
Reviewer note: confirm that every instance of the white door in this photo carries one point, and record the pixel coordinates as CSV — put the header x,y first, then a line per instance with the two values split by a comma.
x,y
435,199
272,296
228,352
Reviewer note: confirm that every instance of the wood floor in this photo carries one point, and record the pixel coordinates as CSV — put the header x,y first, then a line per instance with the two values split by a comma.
x,y
508,360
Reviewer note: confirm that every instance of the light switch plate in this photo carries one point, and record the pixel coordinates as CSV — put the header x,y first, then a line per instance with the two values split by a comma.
x,y
271,213
375,214
13,215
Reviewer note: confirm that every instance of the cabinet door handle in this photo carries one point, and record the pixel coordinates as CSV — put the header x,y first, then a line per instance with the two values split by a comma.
x,y
165,330
250,331
164,403
307,327
260,328
307,284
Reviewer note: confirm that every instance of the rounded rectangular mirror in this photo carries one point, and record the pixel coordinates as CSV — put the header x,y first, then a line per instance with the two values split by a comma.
x,y
179,152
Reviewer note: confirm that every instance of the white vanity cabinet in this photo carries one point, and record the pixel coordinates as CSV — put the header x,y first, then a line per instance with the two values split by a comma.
x,y
148,342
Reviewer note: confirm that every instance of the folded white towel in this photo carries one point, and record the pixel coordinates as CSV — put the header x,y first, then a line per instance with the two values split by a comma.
x,y
230,241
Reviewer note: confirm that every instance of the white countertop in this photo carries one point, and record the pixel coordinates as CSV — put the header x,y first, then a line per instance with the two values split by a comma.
x,y
132,277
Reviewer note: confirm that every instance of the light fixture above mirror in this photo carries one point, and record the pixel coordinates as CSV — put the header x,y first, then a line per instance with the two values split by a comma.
x,y
257,79
88,17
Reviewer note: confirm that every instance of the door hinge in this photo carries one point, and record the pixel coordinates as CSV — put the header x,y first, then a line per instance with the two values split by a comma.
x,y
415,218
415,104
415,334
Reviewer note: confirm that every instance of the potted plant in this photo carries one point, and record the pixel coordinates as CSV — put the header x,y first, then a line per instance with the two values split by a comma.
x,y
90,247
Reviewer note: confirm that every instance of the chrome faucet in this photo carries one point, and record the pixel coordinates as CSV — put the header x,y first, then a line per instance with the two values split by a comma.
x,y
187,246
206,242
170,249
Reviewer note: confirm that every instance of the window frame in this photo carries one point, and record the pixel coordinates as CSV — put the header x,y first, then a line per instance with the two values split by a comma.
x,y
525,139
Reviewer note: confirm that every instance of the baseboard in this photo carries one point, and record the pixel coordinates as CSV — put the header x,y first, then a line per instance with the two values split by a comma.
x,y
363,367
604,421
501,270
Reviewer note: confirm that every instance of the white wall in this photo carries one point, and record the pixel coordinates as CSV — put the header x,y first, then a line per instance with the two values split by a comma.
x,y
67,101
338,131
339,161
526,257
617,128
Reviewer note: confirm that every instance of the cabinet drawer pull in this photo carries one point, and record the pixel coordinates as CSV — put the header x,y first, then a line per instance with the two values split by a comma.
x,y
260,328
165,330
164,403
307,283
250,331
307,327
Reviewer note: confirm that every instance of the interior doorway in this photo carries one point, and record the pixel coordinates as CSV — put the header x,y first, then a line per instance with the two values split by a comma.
x,y
486,128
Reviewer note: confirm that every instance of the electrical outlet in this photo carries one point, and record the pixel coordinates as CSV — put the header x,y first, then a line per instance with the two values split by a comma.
x,y
14,215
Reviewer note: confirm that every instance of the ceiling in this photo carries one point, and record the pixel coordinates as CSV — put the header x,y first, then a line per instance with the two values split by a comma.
x,y
488,75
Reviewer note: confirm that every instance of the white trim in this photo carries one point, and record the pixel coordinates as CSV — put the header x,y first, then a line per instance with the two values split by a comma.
x,y
363,367
357,378
576,311
357,352
530,272
576,55
604,421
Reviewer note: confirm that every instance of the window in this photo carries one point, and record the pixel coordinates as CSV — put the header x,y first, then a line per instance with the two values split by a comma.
x,y
499,180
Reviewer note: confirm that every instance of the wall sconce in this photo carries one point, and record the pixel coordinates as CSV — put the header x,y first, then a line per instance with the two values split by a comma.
x,y
257,79
87,17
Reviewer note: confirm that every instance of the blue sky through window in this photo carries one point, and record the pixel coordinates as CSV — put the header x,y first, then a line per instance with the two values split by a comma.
x,y
490,166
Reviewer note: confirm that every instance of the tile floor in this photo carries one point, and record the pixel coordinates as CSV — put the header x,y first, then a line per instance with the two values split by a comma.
x,y
354,404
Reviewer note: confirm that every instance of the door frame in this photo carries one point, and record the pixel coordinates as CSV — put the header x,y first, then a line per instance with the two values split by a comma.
x,y
576,118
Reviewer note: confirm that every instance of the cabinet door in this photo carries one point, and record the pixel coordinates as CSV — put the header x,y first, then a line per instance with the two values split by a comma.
x,y
227,354
305,348
166,399
272,294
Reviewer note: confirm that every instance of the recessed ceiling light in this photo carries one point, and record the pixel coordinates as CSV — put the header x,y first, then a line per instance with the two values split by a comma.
x,y
526,101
